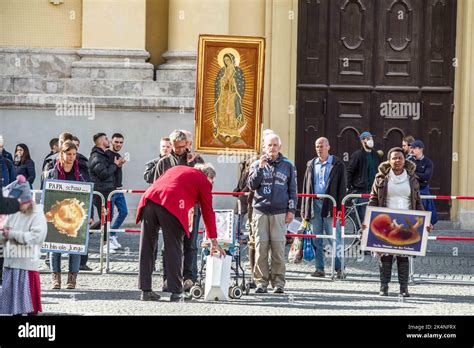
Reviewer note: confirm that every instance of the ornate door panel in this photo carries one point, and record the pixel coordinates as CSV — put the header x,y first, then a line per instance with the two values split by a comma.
x,y
381,65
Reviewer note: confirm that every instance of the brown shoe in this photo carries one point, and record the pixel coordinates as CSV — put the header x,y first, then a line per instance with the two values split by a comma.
x,y
319,273
71,280
56,280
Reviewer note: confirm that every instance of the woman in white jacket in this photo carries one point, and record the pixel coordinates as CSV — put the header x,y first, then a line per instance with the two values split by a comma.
x,y
23,235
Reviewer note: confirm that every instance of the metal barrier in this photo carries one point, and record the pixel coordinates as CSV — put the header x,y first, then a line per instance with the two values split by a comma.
x,y
126,230
322,196
102,224
411,259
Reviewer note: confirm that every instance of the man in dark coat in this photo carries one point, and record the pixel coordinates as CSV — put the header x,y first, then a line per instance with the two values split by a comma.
x,y
102,170
362,168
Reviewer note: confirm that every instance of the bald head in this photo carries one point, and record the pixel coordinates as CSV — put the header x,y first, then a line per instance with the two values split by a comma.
x,y
322,148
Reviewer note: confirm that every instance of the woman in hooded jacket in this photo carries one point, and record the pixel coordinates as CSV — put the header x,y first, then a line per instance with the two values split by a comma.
x,y
396,187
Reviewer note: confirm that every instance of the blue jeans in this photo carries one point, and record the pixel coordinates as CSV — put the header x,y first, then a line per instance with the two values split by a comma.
x,y
118,200
74,262
324,226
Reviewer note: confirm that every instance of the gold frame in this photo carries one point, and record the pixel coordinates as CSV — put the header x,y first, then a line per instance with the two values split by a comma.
x,y
251,107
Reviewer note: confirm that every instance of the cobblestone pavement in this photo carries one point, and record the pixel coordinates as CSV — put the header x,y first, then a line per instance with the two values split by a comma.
x,y
116,293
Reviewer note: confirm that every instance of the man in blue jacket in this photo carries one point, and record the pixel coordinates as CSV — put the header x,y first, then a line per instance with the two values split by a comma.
x,y
273,178
325,174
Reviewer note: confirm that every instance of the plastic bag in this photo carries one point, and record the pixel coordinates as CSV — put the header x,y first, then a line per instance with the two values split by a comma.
x,y
308,249
296,251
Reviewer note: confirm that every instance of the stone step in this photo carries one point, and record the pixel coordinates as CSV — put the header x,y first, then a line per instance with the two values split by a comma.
x,y
173,104
92,87
112,70
175,75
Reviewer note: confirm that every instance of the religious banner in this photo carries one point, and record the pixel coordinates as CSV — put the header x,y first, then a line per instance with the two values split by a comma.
x,y
229,93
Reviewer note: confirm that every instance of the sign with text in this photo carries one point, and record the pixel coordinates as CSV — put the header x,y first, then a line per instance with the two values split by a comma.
x,y
67,207
400,232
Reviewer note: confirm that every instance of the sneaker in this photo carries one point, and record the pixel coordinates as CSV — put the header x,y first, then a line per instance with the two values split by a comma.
x,y
278,290
340,274
114,241
319,273
261,290
112,246
252,284
150,296
85,268
104,250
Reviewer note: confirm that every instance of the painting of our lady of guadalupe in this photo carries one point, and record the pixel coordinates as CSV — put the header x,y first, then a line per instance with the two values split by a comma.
x,y
229,93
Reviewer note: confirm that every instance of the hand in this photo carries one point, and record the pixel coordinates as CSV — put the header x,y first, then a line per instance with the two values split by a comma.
x,y
118,162
339,215
429,228
289,217
6,232
216,249
191,157
263,161
91,221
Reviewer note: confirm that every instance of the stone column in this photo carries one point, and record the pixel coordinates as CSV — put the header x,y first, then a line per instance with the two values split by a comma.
x,y
247,17
279,108
113,41
463,142
187,19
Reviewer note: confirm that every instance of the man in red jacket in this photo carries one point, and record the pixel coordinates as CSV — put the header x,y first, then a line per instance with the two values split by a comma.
x,y
166,204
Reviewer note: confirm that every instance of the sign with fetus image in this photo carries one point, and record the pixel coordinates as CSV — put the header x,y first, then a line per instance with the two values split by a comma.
x,y
67,207
401,232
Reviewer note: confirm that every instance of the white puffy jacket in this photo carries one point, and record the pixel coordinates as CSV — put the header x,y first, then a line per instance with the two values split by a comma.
x,y
28,232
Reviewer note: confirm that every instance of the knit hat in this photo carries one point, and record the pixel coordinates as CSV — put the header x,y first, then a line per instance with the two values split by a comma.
x,y
20,189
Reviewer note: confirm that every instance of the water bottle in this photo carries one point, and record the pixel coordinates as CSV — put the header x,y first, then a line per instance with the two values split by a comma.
x,y
400,298
291,298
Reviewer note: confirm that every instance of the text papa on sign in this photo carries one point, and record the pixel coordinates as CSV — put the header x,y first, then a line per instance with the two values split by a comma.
x,y
57,186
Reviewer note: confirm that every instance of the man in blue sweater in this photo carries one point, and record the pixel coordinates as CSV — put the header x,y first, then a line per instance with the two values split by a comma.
x,y
424,172
273,178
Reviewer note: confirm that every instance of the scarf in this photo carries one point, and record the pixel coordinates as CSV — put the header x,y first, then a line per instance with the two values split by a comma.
x,y
62,172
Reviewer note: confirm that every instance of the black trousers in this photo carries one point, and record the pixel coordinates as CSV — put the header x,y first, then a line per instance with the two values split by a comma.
x,y
155,216
190,268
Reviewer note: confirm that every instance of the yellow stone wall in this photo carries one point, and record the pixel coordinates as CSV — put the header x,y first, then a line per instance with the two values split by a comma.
x,y
35,23
114,24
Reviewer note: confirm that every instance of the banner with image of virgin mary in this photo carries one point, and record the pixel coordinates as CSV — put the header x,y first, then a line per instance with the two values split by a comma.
x,y
229,93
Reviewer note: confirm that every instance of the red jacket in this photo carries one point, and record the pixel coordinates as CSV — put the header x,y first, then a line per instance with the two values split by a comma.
x,y
178,190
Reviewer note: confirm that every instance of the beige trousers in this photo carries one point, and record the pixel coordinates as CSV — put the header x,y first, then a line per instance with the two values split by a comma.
x,y
270,240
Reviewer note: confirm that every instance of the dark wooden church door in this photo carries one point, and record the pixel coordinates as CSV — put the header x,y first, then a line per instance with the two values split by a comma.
x,y
386,66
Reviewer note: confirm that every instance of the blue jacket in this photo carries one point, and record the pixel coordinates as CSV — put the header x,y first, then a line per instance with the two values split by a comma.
x,y
7,155
27,170
274,186
8,174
